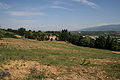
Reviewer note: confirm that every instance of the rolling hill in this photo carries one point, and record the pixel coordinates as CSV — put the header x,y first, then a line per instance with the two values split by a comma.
x,y
25,59
103,28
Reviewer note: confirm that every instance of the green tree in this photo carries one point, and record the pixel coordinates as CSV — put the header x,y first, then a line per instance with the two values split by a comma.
x,y
100,42
92,43
29,35
109,42
1,36
85,41
21,31
41,37
64,36
74,39
115,45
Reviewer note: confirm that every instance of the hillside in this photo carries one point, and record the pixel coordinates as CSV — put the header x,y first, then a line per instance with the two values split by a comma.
x,y
103,28
24,59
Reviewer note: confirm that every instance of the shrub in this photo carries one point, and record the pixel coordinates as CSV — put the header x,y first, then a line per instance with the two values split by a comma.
x,y
1,36
4,74
9,35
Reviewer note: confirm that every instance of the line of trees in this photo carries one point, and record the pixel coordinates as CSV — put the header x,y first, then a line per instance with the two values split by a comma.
x,y
38,35
102,42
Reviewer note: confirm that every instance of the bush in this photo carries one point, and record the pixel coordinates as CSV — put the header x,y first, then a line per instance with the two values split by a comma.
x,y
9,35
34,75
1,36
85,41
47,38
40,38
4,74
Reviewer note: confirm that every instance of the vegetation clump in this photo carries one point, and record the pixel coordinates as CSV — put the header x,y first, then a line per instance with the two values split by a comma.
x,y
4,74
34,75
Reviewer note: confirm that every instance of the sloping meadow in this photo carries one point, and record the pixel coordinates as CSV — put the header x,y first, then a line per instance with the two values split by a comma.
x,y
24,59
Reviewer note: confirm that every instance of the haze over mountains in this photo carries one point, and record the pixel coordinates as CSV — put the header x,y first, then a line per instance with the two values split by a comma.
x,y
112,27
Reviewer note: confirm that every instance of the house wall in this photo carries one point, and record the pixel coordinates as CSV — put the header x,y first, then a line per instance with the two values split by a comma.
x,y
53,37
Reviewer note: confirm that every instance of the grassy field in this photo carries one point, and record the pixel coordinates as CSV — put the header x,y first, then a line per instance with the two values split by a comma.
x,y
24,59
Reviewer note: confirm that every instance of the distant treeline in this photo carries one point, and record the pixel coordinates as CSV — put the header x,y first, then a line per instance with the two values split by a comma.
x,y
102,42
94,33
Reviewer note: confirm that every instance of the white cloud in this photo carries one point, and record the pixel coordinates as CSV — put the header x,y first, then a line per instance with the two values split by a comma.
x,y
4,6
22,13
57,2
87,2
61,2
60,7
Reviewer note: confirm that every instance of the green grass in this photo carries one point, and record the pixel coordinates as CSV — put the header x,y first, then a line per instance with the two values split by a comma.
x,y
113,70
34,75
61,53
60,56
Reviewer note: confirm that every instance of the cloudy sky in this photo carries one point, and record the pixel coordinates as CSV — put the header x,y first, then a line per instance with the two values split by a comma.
x,y
58,14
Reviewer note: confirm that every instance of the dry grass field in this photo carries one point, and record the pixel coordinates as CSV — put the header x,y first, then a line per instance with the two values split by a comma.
x,y
24,59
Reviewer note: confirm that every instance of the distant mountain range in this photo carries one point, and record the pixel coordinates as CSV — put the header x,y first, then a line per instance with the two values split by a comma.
x,y
112,27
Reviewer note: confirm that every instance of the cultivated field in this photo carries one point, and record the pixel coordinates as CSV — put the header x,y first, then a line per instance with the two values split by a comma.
x,y
24,59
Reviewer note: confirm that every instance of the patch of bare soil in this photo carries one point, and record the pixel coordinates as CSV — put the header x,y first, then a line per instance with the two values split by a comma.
x,y
115,52
21,69
102,61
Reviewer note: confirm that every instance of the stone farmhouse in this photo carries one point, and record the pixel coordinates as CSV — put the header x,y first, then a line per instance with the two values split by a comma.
x,y
52,37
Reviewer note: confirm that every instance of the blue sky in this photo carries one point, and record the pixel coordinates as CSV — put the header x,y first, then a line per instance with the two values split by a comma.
x,y
58,14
